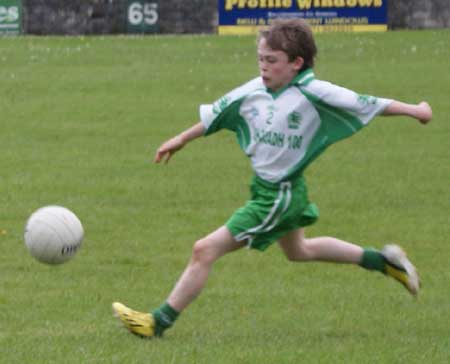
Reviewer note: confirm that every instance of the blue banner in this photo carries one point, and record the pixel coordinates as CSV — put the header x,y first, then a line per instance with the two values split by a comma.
x,y
247,16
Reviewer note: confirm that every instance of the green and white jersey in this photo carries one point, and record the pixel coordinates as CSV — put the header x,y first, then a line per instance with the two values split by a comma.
x,y
285,131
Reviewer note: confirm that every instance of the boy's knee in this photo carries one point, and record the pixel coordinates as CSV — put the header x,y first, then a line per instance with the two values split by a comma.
x,y
301,253
297,257
292,257
201,251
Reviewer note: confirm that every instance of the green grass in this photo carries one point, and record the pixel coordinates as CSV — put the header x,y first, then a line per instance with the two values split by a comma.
x,y
80,120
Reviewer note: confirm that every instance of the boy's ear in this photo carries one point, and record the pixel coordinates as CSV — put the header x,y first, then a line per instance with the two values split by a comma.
x,y
298,63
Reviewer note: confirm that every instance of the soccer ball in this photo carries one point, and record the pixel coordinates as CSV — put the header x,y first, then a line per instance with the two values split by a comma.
x,y
53,234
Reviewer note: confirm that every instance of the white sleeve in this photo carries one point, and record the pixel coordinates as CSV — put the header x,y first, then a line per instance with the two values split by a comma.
x,y
207,115
364,107
209,112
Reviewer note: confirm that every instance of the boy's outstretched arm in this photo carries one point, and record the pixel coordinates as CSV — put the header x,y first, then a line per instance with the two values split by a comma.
x,y
421,111
168,148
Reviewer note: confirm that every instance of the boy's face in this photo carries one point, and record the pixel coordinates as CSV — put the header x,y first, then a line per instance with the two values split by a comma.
x,y
275,68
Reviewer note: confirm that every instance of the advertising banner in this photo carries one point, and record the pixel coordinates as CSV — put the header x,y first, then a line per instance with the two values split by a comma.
x,y
10,17
246,16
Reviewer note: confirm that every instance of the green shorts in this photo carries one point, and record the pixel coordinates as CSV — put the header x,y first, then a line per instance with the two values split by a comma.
x,y
272,212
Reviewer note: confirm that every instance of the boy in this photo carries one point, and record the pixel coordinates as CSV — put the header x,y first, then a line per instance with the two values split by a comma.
x,y
283,120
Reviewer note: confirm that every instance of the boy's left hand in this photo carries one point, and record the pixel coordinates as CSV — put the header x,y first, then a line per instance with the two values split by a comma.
x,y
424,112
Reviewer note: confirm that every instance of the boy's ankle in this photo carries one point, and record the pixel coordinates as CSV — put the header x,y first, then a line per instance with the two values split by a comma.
x,y
165,316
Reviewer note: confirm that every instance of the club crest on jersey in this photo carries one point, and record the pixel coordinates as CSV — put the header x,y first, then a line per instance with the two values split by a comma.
x,y
294,119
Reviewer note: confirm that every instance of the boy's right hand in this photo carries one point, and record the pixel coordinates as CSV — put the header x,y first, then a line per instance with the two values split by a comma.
x,y
168,149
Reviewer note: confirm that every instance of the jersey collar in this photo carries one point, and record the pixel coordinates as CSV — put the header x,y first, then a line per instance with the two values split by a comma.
x,y
302,79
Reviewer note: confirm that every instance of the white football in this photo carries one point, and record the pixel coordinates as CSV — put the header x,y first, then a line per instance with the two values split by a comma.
x,y
53,234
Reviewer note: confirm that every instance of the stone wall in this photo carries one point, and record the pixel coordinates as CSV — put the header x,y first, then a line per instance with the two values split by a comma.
x,y
418,14
189,16
109,16
71,18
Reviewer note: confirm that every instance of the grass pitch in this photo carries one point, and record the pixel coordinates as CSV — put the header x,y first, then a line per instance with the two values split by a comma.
x,y
80,121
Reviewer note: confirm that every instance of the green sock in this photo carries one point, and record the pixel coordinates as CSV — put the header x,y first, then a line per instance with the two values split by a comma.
x,y
165,317
373,260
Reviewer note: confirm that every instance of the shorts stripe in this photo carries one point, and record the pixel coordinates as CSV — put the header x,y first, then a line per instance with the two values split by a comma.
x,y
283,200
286,205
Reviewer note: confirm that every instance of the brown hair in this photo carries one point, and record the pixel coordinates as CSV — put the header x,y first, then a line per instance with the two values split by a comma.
x,y
292,36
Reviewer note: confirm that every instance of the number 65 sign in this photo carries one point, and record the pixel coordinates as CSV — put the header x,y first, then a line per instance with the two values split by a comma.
x,y
142,16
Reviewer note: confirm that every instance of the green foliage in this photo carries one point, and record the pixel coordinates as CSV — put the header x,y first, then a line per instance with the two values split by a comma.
x,y
80,121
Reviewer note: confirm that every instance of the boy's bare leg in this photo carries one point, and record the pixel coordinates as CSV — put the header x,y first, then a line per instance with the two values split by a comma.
x,y
297,248
391,260
204,253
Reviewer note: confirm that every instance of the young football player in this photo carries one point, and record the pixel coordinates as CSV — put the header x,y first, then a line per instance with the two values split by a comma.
x,y
283,120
